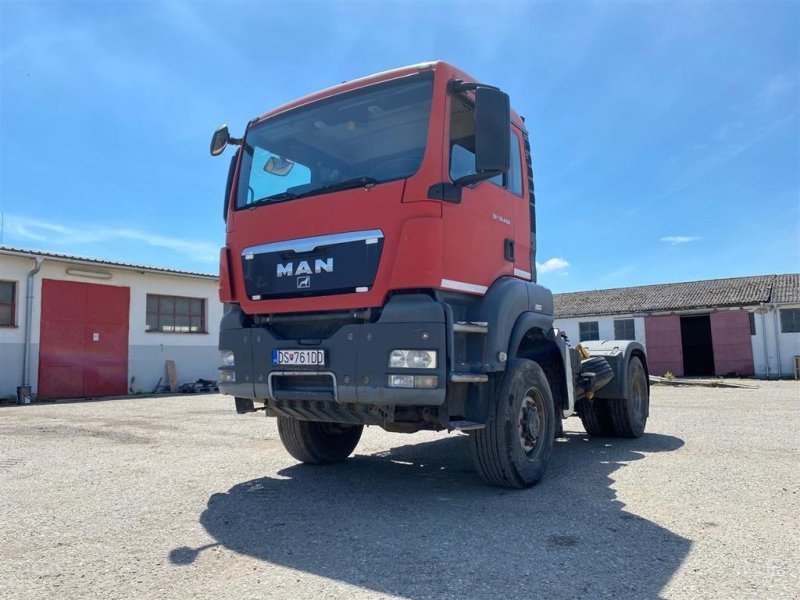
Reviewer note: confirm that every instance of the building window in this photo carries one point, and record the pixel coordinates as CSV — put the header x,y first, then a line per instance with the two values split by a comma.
x,y
589,330
790,320
624,329
8,303
175,314
752,318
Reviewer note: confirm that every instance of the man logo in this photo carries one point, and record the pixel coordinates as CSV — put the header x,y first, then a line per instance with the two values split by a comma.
x,y
303,282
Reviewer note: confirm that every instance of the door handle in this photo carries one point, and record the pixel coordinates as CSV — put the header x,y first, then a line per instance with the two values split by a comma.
x,y
508,249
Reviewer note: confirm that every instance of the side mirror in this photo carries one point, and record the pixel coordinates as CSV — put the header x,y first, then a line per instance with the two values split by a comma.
x,y
219,141
492,131
278,166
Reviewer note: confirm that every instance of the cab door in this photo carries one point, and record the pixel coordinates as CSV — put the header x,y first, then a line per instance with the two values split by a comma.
x,y
479,231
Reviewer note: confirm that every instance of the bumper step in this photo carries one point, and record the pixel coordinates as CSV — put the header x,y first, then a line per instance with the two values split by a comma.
x,y
471,327
469,377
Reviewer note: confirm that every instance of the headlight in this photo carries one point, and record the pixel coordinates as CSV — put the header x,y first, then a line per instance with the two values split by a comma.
x,y
227,376
412,359
226,358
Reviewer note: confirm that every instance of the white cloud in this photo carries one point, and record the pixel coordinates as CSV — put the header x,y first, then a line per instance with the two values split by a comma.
x,y
674,240
55,235
551,265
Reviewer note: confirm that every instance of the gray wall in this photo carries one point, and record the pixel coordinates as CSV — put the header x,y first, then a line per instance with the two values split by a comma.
x,y
146,364
11,368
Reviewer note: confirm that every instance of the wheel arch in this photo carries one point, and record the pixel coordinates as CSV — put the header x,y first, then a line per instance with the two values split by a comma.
x,y
533,338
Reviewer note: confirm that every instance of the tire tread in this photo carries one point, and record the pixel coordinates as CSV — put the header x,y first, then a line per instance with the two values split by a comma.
x,y
490,447
303,441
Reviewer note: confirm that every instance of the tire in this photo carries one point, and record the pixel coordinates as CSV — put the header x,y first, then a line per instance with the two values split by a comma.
x,y
629,416
596,417
595,414
318,443
599,366
514,448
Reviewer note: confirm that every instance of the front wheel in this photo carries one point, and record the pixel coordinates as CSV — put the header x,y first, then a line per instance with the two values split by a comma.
x,y
318,443
514,448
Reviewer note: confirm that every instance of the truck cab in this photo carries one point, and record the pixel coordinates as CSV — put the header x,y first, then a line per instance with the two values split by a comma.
x,y
379,269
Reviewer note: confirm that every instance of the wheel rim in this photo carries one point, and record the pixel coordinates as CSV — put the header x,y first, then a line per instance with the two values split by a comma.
x,y
531,423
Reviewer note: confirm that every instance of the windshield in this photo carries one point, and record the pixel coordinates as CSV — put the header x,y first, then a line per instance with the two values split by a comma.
x,y
355,139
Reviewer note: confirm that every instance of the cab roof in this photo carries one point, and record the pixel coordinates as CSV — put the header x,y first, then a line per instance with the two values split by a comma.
x,y
353,84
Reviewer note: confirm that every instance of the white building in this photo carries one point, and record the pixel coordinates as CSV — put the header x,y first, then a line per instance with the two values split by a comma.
x,y
742,325
99,328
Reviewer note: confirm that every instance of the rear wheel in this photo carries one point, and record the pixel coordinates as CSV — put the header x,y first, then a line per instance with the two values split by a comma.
x,y
619,417
318,443
595,414
596,417
514,448
629,415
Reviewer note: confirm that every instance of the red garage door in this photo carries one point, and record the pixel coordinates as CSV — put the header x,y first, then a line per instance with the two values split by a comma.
x,y
733,347
83,350
664,352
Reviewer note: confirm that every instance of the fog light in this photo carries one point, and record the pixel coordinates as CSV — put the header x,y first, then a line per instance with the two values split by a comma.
x,y
227,376
413,381
226,358
401,381
412,359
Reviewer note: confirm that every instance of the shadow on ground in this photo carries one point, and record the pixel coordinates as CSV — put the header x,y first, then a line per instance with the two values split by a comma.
x,y
417,522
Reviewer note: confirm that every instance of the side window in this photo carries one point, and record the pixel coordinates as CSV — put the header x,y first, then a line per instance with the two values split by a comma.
x,y
515,172
462,148
263,184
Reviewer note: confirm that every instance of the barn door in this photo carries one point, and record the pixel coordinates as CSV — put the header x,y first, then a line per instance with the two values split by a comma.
x,y
83,348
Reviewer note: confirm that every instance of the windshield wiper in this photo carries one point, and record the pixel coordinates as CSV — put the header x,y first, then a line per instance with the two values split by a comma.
x,y
277,197
283,196
348,184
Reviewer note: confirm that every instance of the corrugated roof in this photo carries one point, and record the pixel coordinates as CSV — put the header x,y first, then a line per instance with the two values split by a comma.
x,y
711,293
97,261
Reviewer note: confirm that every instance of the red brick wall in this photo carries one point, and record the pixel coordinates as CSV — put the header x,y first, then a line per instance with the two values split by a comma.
x,y
664,352
733,349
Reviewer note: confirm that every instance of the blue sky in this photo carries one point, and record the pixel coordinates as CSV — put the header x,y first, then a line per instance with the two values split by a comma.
x,y
666,136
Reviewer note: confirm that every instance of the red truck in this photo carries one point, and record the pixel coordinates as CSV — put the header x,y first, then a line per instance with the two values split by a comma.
x,y
379,269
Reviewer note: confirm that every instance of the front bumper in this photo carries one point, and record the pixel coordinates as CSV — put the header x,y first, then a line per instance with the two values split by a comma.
x,y
357,358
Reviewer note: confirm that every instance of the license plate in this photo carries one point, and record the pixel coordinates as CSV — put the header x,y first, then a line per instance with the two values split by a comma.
x,y
314,358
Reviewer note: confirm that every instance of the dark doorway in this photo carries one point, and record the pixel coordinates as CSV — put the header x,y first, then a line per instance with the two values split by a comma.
x,y
698,350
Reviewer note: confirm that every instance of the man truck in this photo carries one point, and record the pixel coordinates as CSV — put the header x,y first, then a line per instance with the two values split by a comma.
x,y
380,269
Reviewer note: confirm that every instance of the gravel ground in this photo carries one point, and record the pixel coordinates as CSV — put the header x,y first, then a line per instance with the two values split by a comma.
x,y
178,497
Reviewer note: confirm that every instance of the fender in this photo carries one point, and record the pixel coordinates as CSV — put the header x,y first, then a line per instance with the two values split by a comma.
x,y
618,353
507,301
